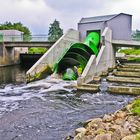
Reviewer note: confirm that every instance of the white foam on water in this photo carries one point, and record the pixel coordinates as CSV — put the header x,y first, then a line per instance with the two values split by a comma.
x,y
10,95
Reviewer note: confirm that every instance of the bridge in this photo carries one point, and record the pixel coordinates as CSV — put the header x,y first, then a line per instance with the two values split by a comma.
x,y
126,43
23,44
8,54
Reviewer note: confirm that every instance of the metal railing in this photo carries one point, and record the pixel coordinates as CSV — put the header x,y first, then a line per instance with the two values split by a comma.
x,y
19,38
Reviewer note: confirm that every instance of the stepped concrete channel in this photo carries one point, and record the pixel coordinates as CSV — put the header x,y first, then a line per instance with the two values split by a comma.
x,y
125,80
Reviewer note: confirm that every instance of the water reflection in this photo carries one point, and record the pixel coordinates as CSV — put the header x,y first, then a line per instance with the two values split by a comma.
x,y
12,74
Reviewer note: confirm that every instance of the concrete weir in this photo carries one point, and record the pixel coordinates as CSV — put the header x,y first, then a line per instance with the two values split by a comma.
x,y
89,87
123,79
128,69
124,90
127,74
129,78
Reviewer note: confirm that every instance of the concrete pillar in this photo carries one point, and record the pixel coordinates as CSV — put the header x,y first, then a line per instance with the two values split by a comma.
x,y
8,56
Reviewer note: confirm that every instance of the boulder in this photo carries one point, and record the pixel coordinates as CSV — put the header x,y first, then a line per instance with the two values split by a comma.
x,y
103,137
130,137
80,130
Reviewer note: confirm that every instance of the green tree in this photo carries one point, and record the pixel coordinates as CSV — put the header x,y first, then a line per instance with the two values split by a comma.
x,y
17,26
136,35
55,32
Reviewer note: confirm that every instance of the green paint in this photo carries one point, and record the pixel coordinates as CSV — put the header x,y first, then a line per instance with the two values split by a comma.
x,y
77,56
92,41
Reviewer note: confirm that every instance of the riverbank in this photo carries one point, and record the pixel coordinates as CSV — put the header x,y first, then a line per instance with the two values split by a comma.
x,y
124,124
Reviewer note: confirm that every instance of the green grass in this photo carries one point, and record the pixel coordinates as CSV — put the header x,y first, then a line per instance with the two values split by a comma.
x,y
35,50
134,59
136,107
130,51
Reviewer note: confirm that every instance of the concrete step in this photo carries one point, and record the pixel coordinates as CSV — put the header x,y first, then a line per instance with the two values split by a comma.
x,y
96,79
135,66
123,79
127,74
128,69
89,87
124,90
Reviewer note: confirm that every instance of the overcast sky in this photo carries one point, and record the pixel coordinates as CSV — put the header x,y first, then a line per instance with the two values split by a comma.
x,y
38,14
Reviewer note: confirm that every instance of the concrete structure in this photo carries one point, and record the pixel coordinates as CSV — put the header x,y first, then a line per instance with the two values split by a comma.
x,y
25,44
126,43
10,51
54,54
10,56
101,63
120,24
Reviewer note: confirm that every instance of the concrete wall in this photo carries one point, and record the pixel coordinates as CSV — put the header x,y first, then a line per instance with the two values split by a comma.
x,y
121,27
8,56
54,54
101,63
84,27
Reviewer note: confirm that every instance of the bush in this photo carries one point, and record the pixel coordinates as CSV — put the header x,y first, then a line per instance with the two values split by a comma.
x,y
131,51
136,107
34,50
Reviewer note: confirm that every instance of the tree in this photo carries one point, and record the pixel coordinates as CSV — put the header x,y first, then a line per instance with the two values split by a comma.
x,y
136,35
16,26
55,32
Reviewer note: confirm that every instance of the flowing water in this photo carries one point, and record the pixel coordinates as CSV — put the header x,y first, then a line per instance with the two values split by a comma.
x,y
48,109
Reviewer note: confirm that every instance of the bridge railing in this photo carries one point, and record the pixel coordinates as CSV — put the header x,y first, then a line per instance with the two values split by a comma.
x,y
19,38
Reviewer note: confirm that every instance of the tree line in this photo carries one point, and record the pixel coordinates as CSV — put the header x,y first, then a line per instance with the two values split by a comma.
x,y
55,32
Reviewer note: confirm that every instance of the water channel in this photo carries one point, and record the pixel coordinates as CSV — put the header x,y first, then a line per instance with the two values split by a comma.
x,y
46,109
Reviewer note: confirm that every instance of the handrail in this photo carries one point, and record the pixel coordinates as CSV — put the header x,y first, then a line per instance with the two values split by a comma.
x,y
17,38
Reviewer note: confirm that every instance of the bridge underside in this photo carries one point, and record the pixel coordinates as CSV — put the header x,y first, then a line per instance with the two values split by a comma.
x,y
10,55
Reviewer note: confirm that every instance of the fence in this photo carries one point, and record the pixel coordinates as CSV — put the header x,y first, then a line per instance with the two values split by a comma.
x,y
16,38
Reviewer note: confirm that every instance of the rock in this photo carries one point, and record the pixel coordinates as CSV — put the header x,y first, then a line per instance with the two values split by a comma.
x,y
79,136
107,126
100,131
86,122
103,137
94,123
116,135
80,130
130,137
107,118
119,121
127,125
114,127
121,114
133,129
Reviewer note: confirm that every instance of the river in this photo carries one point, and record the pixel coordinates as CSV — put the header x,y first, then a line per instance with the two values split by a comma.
x,y
46,109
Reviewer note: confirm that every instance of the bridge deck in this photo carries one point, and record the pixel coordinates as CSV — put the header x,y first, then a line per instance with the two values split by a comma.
x,y
28,44
126,43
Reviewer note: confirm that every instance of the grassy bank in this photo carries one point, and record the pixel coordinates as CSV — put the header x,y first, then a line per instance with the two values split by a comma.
x,y
130,51
134,59
35,50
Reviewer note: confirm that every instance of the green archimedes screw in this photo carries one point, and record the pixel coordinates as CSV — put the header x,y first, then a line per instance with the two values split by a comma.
x,y
76,58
